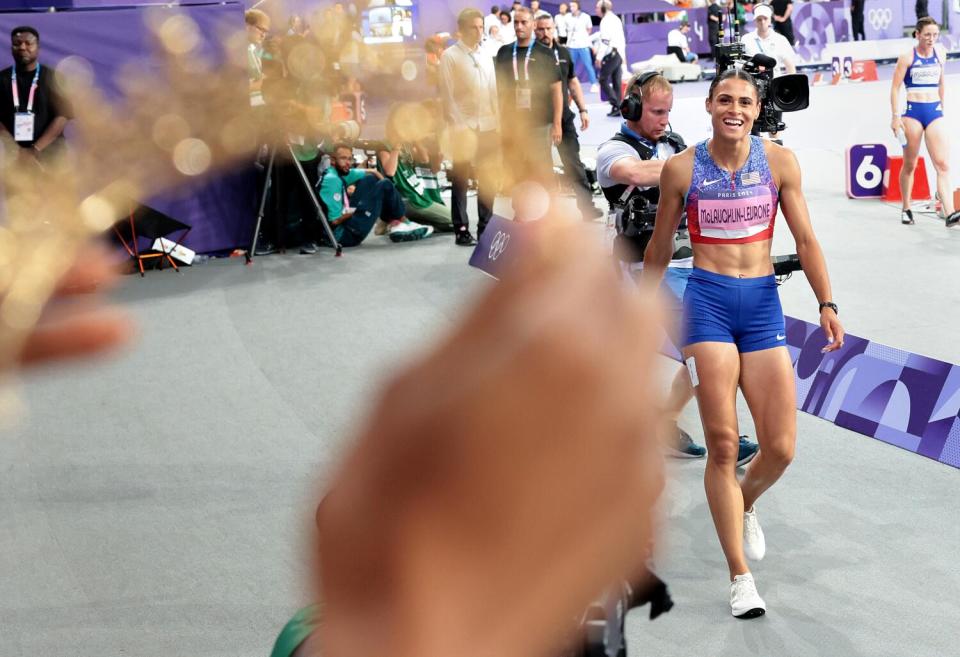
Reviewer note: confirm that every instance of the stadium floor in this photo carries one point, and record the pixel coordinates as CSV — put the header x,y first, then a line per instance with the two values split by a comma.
x,y
155,504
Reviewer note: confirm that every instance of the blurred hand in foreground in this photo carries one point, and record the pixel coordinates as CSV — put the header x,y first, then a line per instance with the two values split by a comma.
x,y
505,479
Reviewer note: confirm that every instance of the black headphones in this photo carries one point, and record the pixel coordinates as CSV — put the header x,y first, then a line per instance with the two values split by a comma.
x,y
631,107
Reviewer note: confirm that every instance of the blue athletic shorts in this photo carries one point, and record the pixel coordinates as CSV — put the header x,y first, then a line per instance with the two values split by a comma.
x,y
925,113
743,311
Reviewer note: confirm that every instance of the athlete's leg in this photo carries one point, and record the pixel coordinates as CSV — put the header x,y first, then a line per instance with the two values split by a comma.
x,y
717,365
914,132
936,138
767,382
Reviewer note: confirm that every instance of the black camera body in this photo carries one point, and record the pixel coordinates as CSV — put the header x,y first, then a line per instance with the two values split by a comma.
x,y
786,93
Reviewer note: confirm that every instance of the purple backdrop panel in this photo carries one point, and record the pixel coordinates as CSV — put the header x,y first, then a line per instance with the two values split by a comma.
x,y
221,211
883,19
901,398
816,24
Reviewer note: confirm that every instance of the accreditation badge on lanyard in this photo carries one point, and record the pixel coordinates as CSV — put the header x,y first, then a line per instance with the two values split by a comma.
x,y
524,97
24,122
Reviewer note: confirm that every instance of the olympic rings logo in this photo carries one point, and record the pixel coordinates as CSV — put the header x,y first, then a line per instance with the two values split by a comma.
x,y
498,245
880,19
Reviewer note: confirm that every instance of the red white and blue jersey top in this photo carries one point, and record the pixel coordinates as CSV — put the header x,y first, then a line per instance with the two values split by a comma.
x,y
724,208
923,72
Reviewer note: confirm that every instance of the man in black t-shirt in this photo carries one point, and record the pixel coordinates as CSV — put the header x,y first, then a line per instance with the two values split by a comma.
x,y
32,114
569,147
531,102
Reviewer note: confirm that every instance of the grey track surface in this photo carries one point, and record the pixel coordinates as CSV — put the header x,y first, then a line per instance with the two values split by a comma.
x,y
155,505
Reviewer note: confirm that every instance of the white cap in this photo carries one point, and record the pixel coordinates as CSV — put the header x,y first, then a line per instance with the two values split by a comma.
x,y
762,10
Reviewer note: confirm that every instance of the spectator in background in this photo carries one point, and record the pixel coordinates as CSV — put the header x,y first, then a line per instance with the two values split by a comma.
x,y
920,9
536,11
412,167
715,19
782,23
677,38
579,27
355,198
296,26
493,18
531,103
768,42
611,50
513,10
560,21
32,112
507,33
258,26
569,146
856,15
492,43
468,85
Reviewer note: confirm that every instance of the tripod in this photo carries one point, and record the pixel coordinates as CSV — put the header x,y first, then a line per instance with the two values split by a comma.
x,y
268,183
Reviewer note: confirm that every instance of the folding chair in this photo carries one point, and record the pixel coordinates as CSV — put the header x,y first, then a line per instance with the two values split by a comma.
x,y
144,221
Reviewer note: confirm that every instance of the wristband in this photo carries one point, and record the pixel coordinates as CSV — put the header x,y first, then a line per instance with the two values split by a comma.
x,y
831,305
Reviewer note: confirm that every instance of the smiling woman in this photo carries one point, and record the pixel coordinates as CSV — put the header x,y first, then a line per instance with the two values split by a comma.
x,y
731,186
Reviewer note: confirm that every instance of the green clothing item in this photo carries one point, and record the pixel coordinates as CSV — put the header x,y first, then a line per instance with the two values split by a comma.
x,y
421,193
296,631
333,189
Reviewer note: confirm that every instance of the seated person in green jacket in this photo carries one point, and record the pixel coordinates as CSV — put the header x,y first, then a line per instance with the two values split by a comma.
x,y
355,198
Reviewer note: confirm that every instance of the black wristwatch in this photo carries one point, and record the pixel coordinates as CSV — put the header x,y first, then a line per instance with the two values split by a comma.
x,y
831,305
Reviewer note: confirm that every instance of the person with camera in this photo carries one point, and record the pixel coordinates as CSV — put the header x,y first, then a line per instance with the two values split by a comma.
x,y
628,170
921,71
355,198
767,42
730,187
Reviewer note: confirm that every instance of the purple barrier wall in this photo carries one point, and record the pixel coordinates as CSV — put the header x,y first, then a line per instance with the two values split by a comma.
x,y
901,398
221,211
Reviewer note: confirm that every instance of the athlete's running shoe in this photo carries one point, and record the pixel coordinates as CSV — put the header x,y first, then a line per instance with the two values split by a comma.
x,y
754,545
953,220
747,451
681,445
906,217
745,602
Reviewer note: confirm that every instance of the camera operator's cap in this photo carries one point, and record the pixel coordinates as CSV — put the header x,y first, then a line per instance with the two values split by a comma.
x,y
762,10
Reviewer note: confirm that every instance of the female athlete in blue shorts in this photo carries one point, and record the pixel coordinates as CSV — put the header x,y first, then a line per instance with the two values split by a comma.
x,y
731,186
921,72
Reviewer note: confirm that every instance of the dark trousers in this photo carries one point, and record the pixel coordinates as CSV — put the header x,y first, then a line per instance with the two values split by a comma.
x,y
921,9
611,78
371,200
299,214
573,169
856,15
486,193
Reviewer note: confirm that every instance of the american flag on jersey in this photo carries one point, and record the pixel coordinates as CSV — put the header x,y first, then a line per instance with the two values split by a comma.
x,y
750,178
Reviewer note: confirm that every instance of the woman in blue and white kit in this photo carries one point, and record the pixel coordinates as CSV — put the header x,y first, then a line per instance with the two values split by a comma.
x,y
731,186
921,72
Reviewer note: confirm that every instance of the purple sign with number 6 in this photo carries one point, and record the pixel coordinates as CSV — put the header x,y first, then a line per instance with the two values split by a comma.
x,y
865,166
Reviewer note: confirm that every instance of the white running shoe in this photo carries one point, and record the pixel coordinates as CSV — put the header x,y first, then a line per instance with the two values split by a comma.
x,y
595,87
745,602
408,231
754,545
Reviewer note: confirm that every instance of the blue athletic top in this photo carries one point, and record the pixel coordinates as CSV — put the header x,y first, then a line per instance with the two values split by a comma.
x,y
731,209
923,72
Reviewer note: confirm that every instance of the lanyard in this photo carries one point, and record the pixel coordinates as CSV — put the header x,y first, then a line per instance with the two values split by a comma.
x,y
760,45
16,91
526,62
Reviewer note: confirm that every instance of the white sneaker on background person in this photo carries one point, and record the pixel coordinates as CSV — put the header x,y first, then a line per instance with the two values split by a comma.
x,y
754,545
407,231
595,87
745,602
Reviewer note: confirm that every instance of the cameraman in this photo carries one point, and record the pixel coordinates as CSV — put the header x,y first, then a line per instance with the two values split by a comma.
x,y
766,41
628,170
